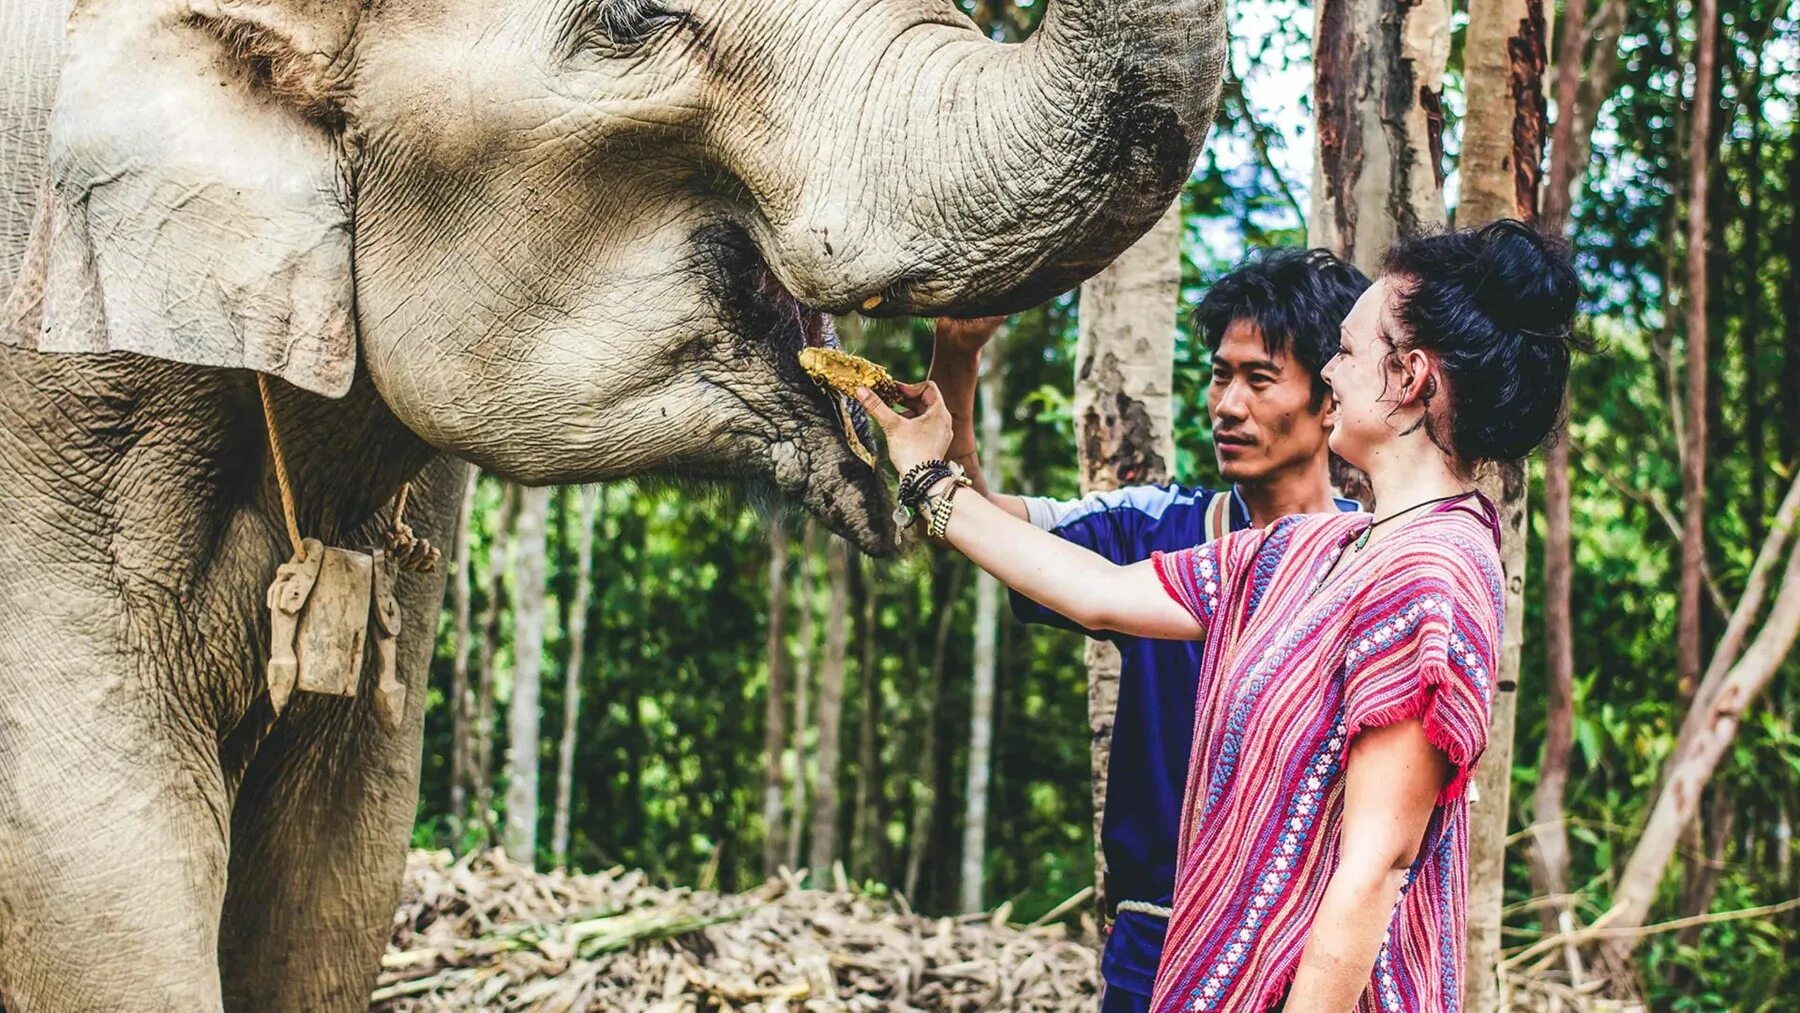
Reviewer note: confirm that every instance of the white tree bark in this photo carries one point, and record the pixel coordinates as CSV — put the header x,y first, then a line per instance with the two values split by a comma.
x,y
803,672
824,844
499,562
522,714
1378,83
775,699
591,499
987,641
462,701
1124,418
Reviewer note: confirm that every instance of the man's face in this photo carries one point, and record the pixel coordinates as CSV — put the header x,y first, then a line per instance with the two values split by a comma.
x,y
1264,422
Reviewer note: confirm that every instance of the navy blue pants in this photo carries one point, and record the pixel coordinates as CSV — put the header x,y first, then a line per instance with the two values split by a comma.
x,y
1114,999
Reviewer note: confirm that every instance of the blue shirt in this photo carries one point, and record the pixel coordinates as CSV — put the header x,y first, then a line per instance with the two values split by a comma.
x,y
1153,727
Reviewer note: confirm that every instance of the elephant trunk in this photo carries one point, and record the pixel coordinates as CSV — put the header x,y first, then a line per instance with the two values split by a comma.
x,y
1028,167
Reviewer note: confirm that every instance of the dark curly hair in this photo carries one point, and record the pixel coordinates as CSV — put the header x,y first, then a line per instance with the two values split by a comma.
x,y
1297,299
1496,306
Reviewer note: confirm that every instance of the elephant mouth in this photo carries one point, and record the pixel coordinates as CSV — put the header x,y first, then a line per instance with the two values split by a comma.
x,y
854,424
830,466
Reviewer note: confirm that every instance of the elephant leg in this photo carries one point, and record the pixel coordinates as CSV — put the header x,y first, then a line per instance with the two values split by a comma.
x,y
323,816
319,841
112,860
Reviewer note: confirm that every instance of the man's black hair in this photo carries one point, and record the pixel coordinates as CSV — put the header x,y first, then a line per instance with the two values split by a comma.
x,y
1297,299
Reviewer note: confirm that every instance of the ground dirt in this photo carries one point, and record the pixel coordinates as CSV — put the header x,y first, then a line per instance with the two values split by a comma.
x,y
482,933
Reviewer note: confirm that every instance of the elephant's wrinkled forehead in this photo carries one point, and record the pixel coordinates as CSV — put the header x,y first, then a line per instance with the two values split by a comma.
x,y
522,74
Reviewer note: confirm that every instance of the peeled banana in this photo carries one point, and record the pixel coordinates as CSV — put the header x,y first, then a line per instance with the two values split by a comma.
x,y
844,372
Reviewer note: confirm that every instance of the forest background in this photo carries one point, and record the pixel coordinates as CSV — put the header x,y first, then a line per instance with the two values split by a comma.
x,y
668,677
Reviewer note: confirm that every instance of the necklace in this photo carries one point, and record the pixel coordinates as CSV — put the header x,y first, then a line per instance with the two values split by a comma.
x,y
1364,540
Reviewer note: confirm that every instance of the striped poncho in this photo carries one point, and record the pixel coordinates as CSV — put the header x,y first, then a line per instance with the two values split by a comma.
x,y
1292,670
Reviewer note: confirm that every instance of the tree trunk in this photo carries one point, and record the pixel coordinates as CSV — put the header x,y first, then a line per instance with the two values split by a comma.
x,y
1750,331
1378,73
1503,148
1568,162
1693,465
865,834
1124,373
1489,804
522,712
1378,149
499,554
1503,135
592,499
461,702
775,699
1789,435
987,632
1577,97
803,670
1550,837
924,821
824,844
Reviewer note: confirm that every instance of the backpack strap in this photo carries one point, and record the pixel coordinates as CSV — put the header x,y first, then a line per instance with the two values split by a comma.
x,y
1217,523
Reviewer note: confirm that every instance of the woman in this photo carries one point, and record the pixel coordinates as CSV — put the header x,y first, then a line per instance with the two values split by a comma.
x,y
1347,671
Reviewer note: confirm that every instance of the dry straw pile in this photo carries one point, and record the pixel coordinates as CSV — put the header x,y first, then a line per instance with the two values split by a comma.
x,y
484,934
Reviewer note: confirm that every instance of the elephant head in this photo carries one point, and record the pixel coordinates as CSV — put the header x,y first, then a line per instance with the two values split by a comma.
x,y
574,239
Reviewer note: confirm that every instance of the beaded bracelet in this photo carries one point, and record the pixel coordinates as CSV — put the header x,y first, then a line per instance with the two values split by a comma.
x,y
917,482
921,478
913,474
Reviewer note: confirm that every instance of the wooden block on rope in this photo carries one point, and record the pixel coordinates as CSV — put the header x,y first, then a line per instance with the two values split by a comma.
x,y
334,624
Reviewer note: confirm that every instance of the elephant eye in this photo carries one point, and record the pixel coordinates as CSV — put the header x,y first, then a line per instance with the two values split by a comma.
x,y
619,27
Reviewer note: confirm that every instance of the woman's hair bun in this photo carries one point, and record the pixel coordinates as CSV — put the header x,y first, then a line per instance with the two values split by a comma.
x,y
1527,283
1496,307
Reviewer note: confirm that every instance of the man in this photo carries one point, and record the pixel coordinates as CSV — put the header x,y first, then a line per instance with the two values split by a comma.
x,y
1271,325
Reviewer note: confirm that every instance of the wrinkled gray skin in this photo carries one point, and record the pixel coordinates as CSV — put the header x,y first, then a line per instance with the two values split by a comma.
x,y
555,238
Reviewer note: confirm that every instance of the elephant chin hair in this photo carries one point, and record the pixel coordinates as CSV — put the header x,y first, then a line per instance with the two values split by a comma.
x,y
876,537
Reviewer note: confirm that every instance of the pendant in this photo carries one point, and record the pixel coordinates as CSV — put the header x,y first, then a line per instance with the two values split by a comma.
x,y
1364,540
903,516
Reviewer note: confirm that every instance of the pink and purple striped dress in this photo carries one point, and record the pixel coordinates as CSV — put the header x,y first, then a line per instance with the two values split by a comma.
x,y
1292,670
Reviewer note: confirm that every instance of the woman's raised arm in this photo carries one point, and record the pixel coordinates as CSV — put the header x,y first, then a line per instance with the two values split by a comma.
x,y
1084,586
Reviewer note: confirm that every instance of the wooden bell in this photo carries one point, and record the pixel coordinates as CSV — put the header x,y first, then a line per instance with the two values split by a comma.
x,y
319,620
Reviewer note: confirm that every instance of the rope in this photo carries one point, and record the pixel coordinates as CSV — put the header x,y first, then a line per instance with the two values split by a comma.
x,y
1144,907
412,552
281,473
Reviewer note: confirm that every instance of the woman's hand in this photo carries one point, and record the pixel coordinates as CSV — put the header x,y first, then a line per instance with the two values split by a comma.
x,y
923,437
1082,585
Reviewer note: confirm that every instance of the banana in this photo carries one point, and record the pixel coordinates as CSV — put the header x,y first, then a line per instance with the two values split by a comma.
x,y
844,372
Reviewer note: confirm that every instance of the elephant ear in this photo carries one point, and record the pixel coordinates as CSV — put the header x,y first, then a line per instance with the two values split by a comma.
x,y
195,206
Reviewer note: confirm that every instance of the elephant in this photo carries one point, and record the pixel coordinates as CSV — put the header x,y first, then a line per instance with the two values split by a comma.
x,y
561,240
